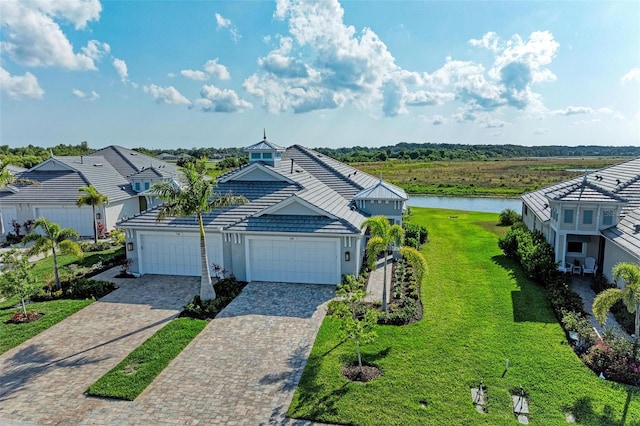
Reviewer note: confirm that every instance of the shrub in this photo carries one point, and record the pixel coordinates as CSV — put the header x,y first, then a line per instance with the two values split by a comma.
x,y
412,242
118,237
579,323
399,315
562,297
509,217
226,290
85,288
509,243
88,247
417,232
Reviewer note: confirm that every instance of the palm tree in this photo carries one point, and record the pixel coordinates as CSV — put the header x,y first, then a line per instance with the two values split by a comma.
x,y
54,239
7,178
195,196
93,198
630,294
384,237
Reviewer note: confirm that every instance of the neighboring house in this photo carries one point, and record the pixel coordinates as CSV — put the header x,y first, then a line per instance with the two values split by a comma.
x,y
119,173
302,222
596,215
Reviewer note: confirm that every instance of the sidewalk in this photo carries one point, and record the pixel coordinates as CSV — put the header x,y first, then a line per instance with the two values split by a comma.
x,y
582,286
376,280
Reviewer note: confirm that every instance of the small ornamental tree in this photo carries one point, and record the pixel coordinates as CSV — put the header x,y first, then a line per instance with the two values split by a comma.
x,y
356,319
16,278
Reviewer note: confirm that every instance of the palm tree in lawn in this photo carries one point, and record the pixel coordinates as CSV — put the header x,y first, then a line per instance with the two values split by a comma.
x,y
630,294
194,196
54,239
93,198
384,237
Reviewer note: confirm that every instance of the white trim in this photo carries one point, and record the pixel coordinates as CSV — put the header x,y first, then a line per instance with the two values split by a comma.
x,y
52,160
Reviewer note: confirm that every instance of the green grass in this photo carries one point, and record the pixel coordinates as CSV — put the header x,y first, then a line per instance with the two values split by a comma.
x,y
11,335
131,376
479,310
44,267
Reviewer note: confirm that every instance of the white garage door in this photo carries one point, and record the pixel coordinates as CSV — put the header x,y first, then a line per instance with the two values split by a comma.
x,y
294,260
78,218
173,254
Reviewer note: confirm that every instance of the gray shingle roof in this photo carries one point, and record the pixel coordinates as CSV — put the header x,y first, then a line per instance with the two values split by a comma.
x,y
127,161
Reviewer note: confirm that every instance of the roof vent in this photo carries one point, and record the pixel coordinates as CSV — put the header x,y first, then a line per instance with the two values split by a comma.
x,y
97,165
618,181
637,228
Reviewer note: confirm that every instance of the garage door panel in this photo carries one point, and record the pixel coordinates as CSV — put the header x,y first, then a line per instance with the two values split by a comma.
x,y
288,260
78,218
173,254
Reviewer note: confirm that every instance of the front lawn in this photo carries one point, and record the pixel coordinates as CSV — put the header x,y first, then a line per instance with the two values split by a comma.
x,y
43,268
11,335
479,311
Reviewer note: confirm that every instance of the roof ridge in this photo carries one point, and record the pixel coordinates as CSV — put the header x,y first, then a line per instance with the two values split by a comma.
x,y
117,148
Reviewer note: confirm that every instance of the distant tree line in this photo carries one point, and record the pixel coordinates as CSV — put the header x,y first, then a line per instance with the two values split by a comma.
x,y
31,155
442,151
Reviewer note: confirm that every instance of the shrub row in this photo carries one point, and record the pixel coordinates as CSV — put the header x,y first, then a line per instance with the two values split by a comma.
x,y
77,288
404,306
415,235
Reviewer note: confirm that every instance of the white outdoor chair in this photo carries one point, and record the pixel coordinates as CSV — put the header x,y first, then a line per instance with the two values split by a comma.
x,y
590,266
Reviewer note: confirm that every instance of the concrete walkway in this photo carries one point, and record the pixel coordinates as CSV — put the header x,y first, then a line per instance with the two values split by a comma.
x,y
582,286
376,281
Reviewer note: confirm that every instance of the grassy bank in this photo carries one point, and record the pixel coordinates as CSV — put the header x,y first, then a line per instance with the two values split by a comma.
x,y
479,311
502,178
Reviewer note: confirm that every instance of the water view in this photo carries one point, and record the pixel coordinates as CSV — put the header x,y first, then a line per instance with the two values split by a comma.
x,y
476,204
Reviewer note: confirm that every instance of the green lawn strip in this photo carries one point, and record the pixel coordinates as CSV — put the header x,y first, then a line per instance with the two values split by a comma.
x,y
131,376
11,335
44,267
479,310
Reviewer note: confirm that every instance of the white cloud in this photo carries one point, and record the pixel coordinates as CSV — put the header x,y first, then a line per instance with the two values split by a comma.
x,y
437,120
96,50
632,75
121,68
489,41
32,37
573,110
492,123
167,95
18,87
217,70
618,116
194,74
224,23
91,96
606,110
221,100
540,131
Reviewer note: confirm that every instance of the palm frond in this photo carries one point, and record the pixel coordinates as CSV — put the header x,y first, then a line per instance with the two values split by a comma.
x,y
604,301
375,246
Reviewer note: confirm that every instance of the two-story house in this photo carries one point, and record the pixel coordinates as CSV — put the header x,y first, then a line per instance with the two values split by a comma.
x,y
596,215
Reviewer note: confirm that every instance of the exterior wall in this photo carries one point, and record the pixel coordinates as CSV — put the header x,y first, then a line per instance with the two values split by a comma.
x,y
527,216
382,207
614,254
116,211
352,245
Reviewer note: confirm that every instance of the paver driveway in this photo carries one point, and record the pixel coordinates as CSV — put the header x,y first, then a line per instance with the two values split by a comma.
x,y
241,369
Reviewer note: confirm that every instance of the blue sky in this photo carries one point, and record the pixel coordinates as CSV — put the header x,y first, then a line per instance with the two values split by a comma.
x,y
164,74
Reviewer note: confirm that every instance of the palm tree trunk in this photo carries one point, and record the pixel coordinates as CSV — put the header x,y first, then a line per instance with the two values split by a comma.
x,y
206,288
55,267
384,284
95,226
637,323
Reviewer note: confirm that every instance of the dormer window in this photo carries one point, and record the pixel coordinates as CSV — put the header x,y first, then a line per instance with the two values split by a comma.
x,y
607,218
267,155
136,186
568,215
255,155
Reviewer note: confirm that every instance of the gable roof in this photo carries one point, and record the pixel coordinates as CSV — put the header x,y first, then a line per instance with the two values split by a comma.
x,y
617,183
263,145
381,191
106,169
314,181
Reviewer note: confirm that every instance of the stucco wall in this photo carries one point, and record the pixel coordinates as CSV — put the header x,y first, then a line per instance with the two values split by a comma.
x,y
612,255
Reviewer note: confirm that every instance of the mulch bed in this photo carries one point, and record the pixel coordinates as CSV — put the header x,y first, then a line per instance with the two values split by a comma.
x,y
368,373
21,318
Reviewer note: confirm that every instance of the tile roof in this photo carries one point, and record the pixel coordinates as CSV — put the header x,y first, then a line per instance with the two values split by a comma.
x,y
626,233
381,191
319,180
620,182
155,172
264,145
127,161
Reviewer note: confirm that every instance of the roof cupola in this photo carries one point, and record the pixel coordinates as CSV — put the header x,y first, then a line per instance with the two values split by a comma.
x,y
266,152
